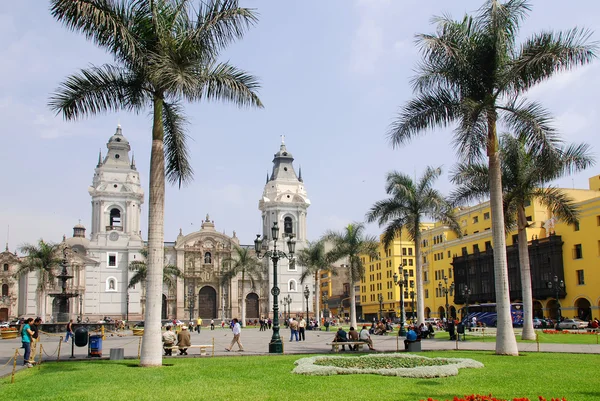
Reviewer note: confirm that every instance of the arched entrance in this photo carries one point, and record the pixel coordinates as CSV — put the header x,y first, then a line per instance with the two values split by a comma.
x,y
441,312
427,313
538,310
4,314
252,306
584,310
552,308
163,313
453,312
207,303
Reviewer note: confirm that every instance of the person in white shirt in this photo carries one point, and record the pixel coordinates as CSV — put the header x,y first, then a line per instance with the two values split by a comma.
x,y
302,329
366,337
168,339
237,330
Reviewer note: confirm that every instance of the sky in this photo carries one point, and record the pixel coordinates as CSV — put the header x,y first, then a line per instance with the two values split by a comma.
x,y
333,76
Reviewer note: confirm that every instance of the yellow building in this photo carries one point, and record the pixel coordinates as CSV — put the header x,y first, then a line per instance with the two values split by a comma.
x,y
450,263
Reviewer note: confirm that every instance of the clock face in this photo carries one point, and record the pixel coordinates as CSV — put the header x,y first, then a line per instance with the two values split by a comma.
x,y
113,236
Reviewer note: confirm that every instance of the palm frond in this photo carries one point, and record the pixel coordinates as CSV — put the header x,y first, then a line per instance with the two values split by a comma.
x,y
178,168
224,82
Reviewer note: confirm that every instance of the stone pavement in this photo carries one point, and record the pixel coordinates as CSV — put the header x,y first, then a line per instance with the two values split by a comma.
x,y
257,343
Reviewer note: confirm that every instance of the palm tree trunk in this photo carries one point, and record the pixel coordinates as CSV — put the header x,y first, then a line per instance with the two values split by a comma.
x,y
151,354
506,343
419,273
528,331
352,303
243,312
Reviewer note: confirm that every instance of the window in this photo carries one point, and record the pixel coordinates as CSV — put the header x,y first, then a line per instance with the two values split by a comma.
x,y
448,253
449,272
403,251
475,219
404,262
486,216
115,218
426,276
410,262
515,239
426,293
580,278
292,265
475,248
411,273
207,258
527,203
464,251
577,252
111,284
488,245
529,218
112,259
6,267
598,220
576,226
4,290
410,251
287,225
292,286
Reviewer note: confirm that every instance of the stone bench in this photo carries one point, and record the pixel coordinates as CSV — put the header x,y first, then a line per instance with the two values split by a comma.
x,y
335,346
414,346
203,348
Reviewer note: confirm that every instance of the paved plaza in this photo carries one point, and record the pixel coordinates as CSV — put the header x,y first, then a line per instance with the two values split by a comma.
x,y
256,342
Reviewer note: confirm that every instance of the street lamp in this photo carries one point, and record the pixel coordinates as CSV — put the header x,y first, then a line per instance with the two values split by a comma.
x,y
412,300
127,308
402,281
325,304
306,295
288,301
466,292
558,285
275,346
380,299
446,290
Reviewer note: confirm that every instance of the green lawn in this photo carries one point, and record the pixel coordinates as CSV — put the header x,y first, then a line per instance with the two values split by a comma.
x,y
562,338
269,378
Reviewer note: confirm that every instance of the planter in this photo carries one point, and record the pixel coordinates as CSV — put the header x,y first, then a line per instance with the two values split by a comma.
x,y
138,332
9,334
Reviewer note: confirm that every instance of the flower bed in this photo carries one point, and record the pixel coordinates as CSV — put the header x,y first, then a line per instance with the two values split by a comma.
x,y
567,332
403,365
479,397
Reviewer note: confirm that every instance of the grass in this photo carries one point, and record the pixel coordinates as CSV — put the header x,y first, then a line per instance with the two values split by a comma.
x,y
269,378
543,338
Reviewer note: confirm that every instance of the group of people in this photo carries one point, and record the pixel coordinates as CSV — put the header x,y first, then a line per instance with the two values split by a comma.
x,y
341,336
29,333
265,324
182,340
297,329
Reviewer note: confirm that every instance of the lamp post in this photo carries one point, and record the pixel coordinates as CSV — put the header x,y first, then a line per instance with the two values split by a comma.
x,y
288,301
80,307
325,304
275,346
306,295
127,308
402,281
558,285
446,290
380,299
412,300
466,292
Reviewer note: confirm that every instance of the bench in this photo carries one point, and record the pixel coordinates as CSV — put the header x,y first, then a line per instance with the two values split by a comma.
x,y
414,346
335,346
202,348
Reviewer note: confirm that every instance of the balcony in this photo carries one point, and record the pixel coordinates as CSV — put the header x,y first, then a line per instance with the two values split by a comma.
x,y
114,228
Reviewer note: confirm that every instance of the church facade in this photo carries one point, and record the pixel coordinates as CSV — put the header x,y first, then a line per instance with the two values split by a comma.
x,y
101,262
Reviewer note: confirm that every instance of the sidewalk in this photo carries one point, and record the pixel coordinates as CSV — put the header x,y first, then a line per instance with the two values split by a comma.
x,y
257,343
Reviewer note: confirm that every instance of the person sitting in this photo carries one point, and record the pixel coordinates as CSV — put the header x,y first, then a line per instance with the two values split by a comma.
x,y
353,336
411,337
341,337
380,329
365,336
424,331
430,331
168,339
183,340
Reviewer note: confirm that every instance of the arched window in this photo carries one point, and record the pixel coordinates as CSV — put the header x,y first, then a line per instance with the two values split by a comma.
x,y
292,286
6,267
207,258
115,217
287,225
4,290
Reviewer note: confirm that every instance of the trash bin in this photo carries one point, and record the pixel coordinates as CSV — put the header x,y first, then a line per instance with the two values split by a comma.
x,y
81,337
460,329
95,348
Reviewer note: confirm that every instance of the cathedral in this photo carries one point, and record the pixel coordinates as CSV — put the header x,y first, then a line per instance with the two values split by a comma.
x,y
101,262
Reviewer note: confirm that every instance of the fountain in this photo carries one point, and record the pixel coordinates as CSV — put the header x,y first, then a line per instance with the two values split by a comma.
x,y
63,296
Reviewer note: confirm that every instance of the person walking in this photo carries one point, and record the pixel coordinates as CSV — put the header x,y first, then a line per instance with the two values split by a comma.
x,y
35,328
26,336
302,329
237,330
212,324
183,340
69,331
293,329
199,324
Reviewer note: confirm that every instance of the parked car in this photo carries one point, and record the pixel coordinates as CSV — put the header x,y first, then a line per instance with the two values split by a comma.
x,y
572,324
538,323
432,320
4,325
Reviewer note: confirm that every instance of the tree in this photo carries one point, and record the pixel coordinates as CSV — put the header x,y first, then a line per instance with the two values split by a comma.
x,y
351,244
42,259
165,52
170,272
411,201
474,74
245,262
314,258
524,177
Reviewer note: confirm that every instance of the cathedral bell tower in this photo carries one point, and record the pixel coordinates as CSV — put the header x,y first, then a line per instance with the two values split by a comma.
x,y
285,202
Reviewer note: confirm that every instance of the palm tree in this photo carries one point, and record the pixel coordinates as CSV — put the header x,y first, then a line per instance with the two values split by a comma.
x,y
140,269
524,175
165,51
351,244
474,74
245,262
314,258
411,201
42,259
